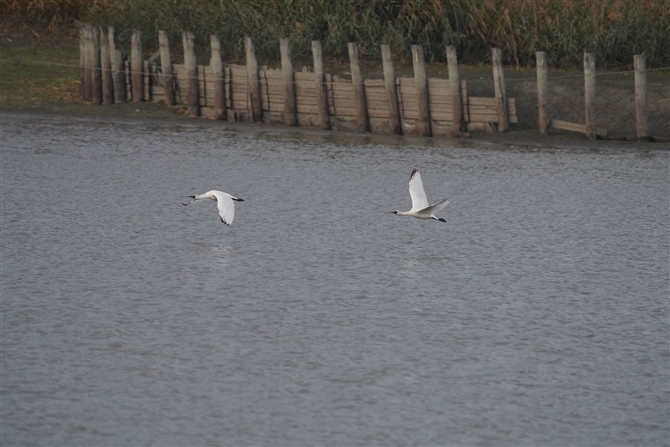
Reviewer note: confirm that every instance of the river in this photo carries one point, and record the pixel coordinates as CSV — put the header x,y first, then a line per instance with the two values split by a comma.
x,y
538,314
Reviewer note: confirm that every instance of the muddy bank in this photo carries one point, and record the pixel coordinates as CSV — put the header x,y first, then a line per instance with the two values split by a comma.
x,y
615,103
41,74
157,114
41,78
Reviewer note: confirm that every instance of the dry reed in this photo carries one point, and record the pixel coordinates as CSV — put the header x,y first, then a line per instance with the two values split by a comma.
x,y
614,30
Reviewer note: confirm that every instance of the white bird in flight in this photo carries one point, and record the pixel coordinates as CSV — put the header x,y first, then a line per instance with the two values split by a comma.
x,y
420,207
224,203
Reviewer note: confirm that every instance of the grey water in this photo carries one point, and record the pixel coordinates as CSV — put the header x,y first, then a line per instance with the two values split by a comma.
x,y
538,314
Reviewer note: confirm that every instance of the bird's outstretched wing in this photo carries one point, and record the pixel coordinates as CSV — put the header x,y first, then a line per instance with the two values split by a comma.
x,y
226,208
438,206
419,200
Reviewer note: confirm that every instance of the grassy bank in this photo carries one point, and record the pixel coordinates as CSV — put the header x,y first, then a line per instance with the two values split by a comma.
x,y
43,74
35,73
614,30
39,72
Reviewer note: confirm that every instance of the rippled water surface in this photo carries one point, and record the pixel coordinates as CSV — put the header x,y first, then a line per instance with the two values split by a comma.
x,y
537,315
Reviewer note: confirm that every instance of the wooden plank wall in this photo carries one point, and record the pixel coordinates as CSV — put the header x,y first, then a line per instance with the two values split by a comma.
x,y
339,95
366,105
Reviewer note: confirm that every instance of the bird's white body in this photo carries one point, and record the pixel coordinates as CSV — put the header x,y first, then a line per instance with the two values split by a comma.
x,y
420,207
224,203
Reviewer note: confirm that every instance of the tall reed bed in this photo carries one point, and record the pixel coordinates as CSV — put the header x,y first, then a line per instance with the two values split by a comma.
x,y
614,30
49,14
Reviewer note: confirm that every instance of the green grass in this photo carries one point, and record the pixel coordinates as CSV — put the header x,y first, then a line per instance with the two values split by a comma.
x,y
36,72
614,30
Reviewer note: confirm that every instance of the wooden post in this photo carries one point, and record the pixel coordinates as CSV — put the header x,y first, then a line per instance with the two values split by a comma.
x,y
106,67
166,68
321,100
82,62
219,80
118,68
191,69
455,88
136,66
96,74
128,74
641,126
146,86
359,89
87,42
543,120
252,81
290,118
89,62
590,95
423,123
391,94
499,86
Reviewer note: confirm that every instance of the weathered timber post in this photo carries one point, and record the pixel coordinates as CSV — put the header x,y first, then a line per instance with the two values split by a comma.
x,y
641,126
136,66
118,68
128,78
219,81
253,82
89,62
466,104
455,89
166,68
96,75
290,118
191,69
359,89
106,67
82,62
321,101
423,123
499,86
590,95
146,85
391,94
87,86
543,120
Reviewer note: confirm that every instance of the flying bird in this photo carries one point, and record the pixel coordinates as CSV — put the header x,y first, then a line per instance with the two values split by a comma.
x,y
420,207
224,203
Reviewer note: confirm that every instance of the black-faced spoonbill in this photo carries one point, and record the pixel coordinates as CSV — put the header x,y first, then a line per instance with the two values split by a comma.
x,y
224,203
420,207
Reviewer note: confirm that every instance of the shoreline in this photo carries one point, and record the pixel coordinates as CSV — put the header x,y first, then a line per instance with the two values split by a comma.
x,y
147,113
41,77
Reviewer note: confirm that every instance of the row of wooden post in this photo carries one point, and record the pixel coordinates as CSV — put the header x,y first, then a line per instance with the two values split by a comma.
x,y
103,81
95,49
545,123
102,69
